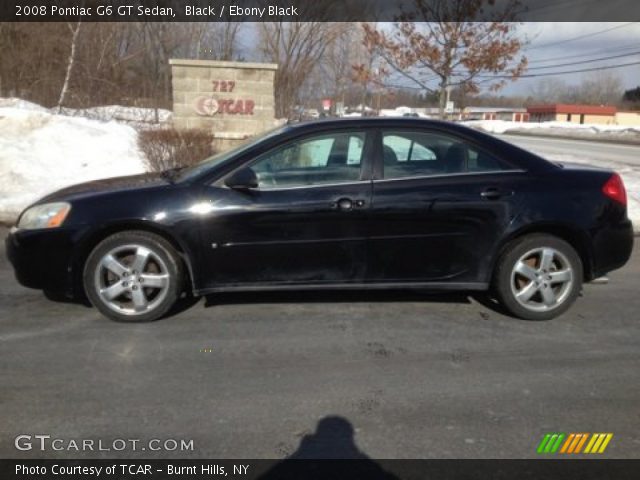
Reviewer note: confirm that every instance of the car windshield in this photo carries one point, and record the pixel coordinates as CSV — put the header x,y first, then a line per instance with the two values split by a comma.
x,y
220,158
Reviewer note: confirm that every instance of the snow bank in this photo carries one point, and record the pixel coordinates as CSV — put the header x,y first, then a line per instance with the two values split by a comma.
x,y
21,104
134,116
41,152
559,129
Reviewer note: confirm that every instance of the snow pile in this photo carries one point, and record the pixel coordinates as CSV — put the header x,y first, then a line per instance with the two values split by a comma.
x,y
41,152
22,104
135,116
558,129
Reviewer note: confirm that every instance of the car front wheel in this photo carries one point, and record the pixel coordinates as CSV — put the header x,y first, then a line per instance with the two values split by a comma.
x,y
538,277
133,276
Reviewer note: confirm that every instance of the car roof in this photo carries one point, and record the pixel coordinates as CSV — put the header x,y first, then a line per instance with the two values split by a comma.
x,y
370,121
391,122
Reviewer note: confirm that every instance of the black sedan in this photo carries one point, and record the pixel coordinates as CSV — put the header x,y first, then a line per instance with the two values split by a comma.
x,y
340,204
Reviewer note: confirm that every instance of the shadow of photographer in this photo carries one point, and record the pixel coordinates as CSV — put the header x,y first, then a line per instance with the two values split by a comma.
x,y
328,453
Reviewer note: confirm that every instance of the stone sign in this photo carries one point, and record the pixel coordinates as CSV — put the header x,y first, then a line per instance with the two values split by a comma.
x,y
233,100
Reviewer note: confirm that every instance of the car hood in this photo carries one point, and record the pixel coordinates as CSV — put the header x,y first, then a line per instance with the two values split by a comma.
x,y
107,185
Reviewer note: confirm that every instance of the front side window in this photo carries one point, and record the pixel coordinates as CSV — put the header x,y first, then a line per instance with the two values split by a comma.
x,y
411,154
321,159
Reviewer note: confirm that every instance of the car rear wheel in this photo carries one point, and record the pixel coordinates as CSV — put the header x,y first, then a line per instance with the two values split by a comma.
x,y
133,276
538,277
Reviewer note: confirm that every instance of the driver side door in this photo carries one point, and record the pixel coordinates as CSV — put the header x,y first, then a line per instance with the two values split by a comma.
x,y
304,224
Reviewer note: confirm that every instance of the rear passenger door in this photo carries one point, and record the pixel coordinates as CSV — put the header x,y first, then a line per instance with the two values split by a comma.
x,y
440,204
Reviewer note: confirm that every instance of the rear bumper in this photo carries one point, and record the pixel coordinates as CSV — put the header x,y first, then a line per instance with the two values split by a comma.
x,y
612,248
42,259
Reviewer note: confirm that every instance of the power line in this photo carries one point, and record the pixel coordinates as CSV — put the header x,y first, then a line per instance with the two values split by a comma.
x,y
592,69
587,54
586,35
564,72
549,74
582,62
558,5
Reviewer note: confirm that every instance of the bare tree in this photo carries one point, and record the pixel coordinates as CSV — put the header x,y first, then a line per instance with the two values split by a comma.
x,y
370,69
224,40
345,51
602,88
33,61
296,47
549,90
214,41
75,31
446,41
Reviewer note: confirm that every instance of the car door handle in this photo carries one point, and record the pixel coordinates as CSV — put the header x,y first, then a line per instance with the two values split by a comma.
x,y
346,204
493,193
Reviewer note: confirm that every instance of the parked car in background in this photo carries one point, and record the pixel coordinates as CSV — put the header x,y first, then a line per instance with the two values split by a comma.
x,y
340,204
312,113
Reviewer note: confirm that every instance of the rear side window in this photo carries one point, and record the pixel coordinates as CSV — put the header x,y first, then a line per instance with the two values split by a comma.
x,y
405,149
411,154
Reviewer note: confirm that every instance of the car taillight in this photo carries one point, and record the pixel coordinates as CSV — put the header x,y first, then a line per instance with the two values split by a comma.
x,y
614,189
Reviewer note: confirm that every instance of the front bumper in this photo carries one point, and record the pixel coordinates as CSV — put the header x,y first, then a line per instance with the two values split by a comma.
x,y
42,259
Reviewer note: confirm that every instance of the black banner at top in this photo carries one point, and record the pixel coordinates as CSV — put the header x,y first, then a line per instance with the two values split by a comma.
x,y
316,10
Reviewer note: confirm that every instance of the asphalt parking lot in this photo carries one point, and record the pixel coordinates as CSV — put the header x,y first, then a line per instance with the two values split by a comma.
x,y
250,375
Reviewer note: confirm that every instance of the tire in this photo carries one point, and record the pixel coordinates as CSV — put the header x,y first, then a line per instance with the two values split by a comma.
x,y
133,276
538,277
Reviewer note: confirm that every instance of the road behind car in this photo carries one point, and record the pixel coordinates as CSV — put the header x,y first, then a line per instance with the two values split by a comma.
x,y
251,374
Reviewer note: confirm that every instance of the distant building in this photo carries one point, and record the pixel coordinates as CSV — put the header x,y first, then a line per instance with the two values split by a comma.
x,y
560,112
583,114
495,113
631,119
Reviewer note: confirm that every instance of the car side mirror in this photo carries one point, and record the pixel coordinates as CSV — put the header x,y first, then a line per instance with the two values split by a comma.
x,y
243,179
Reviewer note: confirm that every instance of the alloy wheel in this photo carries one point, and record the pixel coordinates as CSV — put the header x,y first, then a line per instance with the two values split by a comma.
x,y
132,279
542,279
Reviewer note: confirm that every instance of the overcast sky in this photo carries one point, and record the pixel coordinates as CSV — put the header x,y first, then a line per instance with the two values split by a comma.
x,y
550,46
548,41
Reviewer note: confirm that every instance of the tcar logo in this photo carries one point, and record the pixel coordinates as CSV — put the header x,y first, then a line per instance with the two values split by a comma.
x,y
206,106
574,443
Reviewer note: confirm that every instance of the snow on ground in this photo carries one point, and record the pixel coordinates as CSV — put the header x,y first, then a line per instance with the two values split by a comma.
x,y
561,129
41,152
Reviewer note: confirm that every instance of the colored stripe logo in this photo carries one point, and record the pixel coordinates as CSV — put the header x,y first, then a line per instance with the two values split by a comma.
x,y
574,443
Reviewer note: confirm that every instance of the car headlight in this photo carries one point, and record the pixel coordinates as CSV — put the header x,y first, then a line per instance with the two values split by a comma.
x,y
47,215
